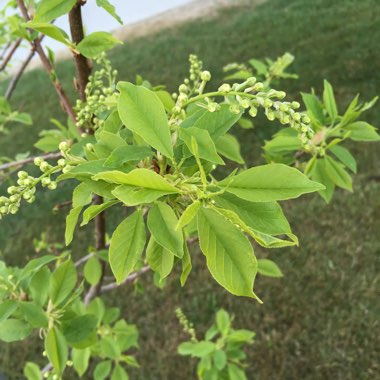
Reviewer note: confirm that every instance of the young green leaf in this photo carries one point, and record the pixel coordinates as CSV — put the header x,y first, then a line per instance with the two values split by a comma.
x,y
206,146
127,153
186,264
338,174
12,330
71,222
102,370
119,373
48,10
344,156
32,371
268,268
229,147
329,100
51,31
127,244
92,271
108,7
34,314
81,358
188,215
7,307
78,329
143,113
362,131
62,282
159,259
236,373
162,223
94,210
314,109
319,174
96,43
82,195
269,183
229,254
56,349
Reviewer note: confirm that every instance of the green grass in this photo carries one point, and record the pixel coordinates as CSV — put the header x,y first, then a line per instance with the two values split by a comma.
x,y
320,320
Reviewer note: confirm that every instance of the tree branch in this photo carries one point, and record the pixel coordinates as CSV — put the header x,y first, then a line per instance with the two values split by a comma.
x,y
10,53
81,62
28,160
130,278
36,44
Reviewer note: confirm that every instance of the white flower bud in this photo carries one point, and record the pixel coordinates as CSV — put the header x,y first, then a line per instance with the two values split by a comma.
x,y
224,88
64,146
206,76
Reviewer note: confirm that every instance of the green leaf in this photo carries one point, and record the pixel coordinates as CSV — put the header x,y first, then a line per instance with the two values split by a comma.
x,y
95,43
259,66
314,108
81,360
268,268
127,153
94,210
216,123
269,183
79,328
119,373
319,173
235,373
133,196
82,195
126,335
266,217
39,286
338,174
344,156
206,146
188,215
186,264
362,131
127,244
166,100
32,371
329,100
34,314
92,271
196,349
141,178
159,259
12,330
102,370
229,147
62,282
223,322
51,31
108,7
48,10
162,223
71,222
56,349
229,254
7,307
23,118
109,347
220,359
143,113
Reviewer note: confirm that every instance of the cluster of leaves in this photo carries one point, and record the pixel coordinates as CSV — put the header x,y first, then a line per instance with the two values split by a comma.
x,y
44,296
221,353
329,162
163,162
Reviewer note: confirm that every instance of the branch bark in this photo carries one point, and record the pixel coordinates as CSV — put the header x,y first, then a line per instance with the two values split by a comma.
x,y
10,165
10,53
36,44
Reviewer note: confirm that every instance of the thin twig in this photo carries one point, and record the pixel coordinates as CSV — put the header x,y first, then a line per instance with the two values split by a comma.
x,y
65,103
9,165
10,53
15,78
6,47
130,278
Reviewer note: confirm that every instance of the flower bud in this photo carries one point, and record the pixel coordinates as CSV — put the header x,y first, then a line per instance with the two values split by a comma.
x,y
295,105
258,86
12,190
22,174
183,88
206,76
224,88
38,161
52,185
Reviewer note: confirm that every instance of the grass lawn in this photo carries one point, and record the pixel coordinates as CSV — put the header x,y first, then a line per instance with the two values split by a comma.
x,y
320,320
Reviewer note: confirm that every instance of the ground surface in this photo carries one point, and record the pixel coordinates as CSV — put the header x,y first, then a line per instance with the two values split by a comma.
x,y
319,322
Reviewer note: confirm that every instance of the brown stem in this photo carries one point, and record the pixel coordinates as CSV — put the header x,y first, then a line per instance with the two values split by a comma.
x,y
36,44
6,47
81,62
10,53
28,160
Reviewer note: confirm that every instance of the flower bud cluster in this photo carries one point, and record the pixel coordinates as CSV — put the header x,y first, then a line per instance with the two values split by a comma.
x,y
101,85
186,324
26,187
